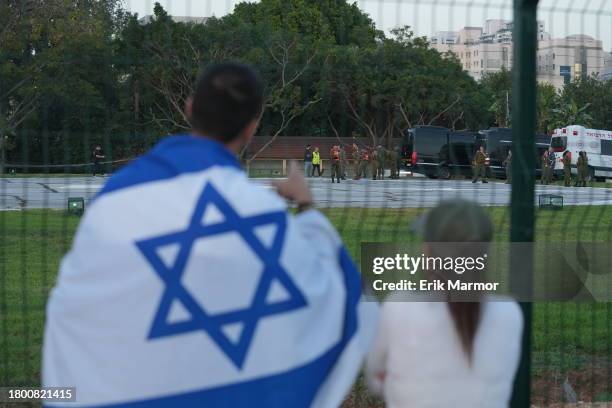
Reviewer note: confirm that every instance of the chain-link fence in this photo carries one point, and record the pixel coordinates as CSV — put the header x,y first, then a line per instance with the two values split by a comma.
x,y
409,91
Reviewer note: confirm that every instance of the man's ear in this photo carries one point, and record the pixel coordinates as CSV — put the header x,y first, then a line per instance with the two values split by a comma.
x,y
189,108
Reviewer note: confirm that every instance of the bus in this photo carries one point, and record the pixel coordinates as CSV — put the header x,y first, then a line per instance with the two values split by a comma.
x,y
438,152
497,143
596,143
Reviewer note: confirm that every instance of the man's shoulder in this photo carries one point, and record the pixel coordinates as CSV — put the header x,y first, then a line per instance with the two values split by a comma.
x,y
171,157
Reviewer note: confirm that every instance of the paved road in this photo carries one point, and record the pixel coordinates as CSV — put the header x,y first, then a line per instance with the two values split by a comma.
x,y
21,193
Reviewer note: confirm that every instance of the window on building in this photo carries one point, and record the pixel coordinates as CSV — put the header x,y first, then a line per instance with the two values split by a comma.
x,y
553,55
606,147
493,63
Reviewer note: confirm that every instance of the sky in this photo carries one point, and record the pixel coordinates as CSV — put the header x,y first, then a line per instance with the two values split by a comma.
x,y
561,17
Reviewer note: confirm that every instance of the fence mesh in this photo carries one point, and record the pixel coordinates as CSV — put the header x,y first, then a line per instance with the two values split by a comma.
x,y
422,83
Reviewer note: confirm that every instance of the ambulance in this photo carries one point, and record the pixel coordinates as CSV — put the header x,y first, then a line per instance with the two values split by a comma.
x,y
596,143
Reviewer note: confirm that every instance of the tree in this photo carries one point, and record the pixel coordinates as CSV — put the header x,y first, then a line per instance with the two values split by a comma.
x,y
547,102
58,77
589,91
410,84
18,68
498,87
86,72
570,113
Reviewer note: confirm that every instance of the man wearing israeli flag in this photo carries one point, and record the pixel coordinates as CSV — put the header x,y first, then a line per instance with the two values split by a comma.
x,y
188,285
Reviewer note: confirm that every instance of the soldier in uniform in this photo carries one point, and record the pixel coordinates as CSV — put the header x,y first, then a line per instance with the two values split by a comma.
x,y
508,164
374,163
356,157
582,165
343,163
567,168
544,177
363,164
552,160
585,166
393,161
480,170
381,154
334,155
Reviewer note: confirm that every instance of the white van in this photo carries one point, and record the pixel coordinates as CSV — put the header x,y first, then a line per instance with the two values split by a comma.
x,y
596,143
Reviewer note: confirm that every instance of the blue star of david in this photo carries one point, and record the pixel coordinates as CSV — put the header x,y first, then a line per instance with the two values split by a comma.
x,y
199,319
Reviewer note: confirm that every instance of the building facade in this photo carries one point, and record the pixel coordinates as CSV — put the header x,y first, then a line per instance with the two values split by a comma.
x,y
562,60
177,19
479,50
607,71
488,49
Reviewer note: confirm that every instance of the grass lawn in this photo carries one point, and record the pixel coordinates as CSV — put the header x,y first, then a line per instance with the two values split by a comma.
x,y
571,340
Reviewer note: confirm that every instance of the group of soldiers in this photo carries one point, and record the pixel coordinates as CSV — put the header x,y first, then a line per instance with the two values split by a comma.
x,y
366,161
373,161
376,159
548,166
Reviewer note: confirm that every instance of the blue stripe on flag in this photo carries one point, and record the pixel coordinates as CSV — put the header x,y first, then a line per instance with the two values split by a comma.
x,y
294,388
172,156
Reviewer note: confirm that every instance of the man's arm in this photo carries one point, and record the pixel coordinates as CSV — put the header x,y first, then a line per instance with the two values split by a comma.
x,y
312,224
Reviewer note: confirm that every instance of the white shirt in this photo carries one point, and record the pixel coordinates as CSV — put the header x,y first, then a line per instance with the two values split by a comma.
x,y
424,365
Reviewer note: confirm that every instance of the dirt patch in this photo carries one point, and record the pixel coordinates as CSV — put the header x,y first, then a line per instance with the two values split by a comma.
x,y
592,384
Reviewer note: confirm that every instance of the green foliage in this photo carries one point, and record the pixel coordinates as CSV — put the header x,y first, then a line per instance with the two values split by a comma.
x,y
56,61
571,113
498,88
547,100
589,91
585,101
77,73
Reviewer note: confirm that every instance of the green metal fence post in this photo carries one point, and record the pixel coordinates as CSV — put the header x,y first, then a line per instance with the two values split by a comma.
x,y
523,174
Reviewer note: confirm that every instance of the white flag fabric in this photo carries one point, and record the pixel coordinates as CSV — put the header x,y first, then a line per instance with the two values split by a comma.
x,y
189,285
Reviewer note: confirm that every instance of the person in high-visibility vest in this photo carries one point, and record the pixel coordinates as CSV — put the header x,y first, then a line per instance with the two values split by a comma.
x,y
316,161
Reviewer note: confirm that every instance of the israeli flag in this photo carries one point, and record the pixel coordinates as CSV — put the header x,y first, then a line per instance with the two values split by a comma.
x,y
189,285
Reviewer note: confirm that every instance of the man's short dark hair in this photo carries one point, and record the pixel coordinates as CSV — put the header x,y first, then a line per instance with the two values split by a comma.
x,y
227,98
